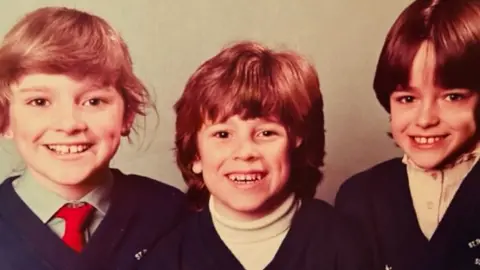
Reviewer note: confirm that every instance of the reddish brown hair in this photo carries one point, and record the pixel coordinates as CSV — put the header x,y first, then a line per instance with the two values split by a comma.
x,y
451,26
252,81
66,41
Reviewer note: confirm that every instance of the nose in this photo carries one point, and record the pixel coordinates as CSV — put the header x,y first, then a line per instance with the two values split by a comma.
x,y
69,120
246,149
427,115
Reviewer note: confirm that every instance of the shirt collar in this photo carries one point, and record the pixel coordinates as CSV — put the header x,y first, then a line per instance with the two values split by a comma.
x,y
45,203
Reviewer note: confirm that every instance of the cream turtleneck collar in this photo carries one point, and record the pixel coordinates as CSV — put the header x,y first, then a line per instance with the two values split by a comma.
x,y
254,243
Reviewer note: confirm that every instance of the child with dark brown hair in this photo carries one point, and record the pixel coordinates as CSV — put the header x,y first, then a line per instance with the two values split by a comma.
x,y
422,211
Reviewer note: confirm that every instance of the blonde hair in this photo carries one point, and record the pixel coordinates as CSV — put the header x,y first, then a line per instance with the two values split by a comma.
x,y
58,40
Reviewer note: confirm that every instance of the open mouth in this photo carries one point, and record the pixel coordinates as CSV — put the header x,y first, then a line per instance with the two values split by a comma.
x,y
246,178
62,149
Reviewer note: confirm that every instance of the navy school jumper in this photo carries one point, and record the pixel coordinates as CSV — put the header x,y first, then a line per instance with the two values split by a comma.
x,y
142,212
318,239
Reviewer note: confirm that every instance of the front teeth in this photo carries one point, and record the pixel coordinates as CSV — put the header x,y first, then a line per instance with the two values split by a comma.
x,y
245,178
68,149
427,140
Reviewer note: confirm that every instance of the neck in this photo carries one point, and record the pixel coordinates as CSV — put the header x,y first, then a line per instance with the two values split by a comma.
x,y
75,191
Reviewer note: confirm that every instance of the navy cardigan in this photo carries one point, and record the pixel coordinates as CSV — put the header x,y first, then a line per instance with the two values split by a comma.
x,y
379,200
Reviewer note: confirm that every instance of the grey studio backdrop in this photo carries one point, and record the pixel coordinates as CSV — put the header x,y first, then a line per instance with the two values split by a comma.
x,y
169,39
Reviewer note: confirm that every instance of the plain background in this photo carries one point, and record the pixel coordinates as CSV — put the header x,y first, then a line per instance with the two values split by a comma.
x,y
169,39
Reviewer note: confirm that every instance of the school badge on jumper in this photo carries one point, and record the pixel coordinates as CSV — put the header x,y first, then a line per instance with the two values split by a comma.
x,y
387,267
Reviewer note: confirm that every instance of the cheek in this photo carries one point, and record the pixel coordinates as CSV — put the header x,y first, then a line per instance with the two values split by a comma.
x,y
212,161
279,160
17,117
463,121
27,129
108,124
211,165
114,114
399,120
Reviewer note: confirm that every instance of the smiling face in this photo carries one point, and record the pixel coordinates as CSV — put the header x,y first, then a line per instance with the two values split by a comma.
x,y
245,165
432,125
66,130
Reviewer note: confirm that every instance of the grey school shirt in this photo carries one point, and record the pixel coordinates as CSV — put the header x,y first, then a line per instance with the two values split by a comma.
x,y
45,203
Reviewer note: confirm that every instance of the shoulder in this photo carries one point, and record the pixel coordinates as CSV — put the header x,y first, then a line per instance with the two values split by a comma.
x,y
8,181
153,199
369,179
146,186
6,188
332,234
375,172
318,215
311,206
323,214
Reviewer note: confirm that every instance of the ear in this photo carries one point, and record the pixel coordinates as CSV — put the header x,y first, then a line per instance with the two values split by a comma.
x,y
125,131
7,134
298,142
197,167
127,124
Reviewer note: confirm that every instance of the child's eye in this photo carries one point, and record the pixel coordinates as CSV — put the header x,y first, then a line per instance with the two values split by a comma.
x,y
94,102
221,134
268,133
38,102
454,97
405,99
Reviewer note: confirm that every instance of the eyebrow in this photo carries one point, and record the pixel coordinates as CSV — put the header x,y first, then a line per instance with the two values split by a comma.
x,y
405,89
94,85
34,89
91,87
97,89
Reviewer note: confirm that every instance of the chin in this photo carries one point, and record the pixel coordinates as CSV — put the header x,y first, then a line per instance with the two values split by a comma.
x,y
427,167
72,181
427,163
252,209
70,178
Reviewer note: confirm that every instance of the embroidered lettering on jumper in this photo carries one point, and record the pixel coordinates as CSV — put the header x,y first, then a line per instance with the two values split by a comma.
x,y
477,261
140,254
474,243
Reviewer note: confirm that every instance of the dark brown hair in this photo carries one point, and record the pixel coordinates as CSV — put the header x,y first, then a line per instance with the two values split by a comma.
x,y
452,27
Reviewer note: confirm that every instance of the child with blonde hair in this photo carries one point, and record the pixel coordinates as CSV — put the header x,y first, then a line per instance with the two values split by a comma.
x,y
68,94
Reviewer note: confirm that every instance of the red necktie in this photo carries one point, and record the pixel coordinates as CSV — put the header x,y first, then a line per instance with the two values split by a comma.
x,y
75,217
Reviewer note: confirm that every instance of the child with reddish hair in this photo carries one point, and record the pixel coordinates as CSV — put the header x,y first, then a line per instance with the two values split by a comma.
x,y
67,95
249,143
